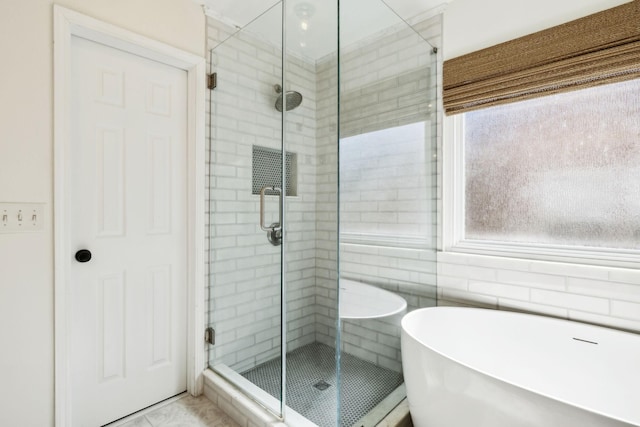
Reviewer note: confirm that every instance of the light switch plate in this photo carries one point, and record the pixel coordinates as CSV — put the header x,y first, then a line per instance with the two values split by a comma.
x,y
21,217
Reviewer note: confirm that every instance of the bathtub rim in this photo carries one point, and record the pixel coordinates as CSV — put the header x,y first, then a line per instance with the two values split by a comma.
x,y
401,303
404,331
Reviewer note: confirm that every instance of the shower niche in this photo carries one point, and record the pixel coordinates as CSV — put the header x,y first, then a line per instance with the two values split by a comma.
x,y
355,140
266,170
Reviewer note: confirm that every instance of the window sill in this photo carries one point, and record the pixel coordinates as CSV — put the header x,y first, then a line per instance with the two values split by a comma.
x,y
404,242
551,253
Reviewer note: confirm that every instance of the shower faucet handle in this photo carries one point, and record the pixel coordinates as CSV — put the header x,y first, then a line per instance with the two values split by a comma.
x,y
277,225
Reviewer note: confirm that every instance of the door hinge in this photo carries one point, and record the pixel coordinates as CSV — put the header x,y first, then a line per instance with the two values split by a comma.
x,y
212,81
210,335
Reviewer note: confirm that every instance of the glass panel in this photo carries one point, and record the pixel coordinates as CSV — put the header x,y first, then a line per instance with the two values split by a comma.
x,y
559,170
245,290
388,126
311,241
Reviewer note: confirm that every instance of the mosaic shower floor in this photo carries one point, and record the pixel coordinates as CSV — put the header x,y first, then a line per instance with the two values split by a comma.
x,y
311,368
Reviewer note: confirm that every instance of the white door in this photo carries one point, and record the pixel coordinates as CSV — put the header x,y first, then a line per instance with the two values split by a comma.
x,y
128,207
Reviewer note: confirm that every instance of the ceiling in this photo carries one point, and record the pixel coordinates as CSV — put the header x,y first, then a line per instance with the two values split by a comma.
x,y
312,24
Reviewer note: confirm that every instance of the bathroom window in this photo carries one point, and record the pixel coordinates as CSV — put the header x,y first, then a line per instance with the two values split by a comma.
x,y
545,159
562,170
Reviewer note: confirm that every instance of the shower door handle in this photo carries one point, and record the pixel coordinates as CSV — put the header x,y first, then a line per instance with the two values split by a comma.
x,y
277,225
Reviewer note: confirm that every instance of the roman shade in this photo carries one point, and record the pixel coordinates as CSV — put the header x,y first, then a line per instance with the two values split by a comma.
x,y
597,49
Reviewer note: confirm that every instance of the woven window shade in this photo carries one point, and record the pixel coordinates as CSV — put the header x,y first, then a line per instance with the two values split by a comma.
x,y
597,49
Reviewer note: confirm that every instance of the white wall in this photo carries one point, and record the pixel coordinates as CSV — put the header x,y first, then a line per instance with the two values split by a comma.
x,y
600,295
470,25
26,175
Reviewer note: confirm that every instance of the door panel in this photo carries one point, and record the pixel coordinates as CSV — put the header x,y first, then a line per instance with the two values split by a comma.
x,y
128,206
111,336
110,186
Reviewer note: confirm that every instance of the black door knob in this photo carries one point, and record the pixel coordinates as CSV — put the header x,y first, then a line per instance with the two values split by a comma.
x,y
83,255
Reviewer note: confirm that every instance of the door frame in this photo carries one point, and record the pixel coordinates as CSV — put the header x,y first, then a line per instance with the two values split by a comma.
x,y
68,23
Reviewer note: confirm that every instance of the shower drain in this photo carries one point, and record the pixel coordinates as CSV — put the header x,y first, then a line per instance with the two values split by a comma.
x,y
322,385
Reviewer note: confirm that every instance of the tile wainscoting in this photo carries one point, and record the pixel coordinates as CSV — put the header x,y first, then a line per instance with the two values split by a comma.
x,y
604,296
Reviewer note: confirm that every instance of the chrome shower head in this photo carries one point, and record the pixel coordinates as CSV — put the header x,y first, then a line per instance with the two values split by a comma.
x,y
294,99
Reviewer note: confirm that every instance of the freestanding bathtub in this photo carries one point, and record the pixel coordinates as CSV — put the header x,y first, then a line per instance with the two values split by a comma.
x,y
467,367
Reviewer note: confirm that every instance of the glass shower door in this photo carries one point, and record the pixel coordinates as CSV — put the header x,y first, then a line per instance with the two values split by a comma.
x,y
274,242
245,211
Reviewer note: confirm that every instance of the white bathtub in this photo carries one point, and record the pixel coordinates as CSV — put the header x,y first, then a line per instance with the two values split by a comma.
x,y
466,367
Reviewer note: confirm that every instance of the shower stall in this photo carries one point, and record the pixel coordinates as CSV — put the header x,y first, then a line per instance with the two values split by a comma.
x,y
322,203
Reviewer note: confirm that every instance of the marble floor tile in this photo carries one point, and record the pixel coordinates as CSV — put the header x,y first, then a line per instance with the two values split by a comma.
x,y
141,421
187,411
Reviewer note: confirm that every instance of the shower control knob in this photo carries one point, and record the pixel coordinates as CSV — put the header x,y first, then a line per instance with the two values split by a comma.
x,y
83,255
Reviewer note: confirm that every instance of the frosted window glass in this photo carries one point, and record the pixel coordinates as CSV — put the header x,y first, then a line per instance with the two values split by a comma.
x,y
562,169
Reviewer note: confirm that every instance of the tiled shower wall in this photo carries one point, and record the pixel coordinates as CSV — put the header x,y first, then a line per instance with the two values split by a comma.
x,y
245,268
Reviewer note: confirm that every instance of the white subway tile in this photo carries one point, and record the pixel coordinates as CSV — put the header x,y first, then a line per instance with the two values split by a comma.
x,y
392,364
499,290
625,275
469,272
452,258
626,310
605,289
570,270
570,301
467,298
379,349
458,283
534,280
528,307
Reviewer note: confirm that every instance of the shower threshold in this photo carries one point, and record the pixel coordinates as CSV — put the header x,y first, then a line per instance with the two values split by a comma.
x,y
252,402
